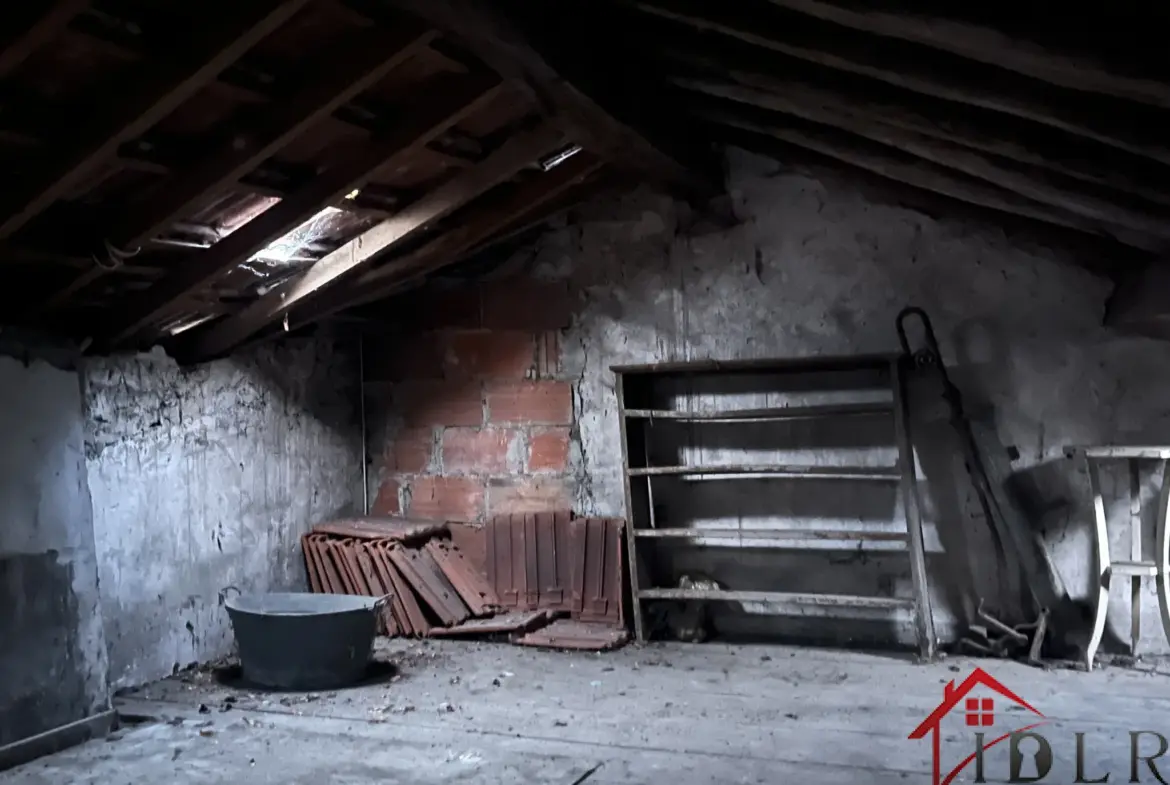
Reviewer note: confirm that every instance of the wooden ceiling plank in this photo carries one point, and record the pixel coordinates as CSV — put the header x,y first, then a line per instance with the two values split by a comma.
x,y
20,40
910,171
613,133
1001,135
520,151
481,222
1031,182
441,104
153,93
1079,71
373,56
484,221
1126,128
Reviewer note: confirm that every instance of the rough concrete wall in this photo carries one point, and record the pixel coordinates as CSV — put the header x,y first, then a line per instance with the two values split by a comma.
x,y
52,647
814,267
469,412
205,478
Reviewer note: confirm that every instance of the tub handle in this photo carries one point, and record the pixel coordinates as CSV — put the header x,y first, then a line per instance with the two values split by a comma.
x,y
223,592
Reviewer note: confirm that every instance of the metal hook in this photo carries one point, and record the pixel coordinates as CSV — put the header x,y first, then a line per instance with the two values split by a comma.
x,y
930,356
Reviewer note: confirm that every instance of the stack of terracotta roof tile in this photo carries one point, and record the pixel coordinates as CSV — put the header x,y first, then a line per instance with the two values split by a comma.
x,y
540,568
563,564
432,588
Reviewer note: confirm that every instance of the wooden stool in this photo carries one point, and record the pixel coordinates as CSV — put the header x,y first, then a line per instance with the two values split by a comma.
x,y
1137,567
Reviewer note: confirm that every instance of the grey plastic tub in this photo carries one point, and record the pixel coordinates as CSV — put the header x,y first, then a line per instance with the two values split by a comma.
x,y
298,641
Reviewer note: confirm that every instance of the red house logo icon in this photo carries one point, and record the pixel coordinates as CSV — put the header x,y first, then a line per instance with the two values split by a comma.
x,y
978,713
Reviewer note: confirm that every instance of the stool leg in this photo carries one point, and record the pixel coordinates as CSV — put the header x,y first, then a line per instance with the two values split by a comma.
x,y
1101,563
1162,546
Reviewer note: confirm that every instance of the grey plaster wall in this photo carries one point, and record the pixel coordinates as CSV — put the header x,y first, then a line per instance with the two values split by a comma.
x,y
206,477
52,647
816,267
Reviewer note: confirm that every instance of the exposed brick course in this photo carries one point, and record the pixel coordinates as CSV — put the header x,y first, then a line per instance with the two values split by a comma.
x,y
474,451
472,381
530,403
439,403
446,498
548,450
411,450
498,354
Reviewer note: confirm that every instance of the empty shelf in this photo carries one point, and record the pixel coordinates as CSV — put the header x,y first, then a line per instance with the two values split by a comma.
x,y
825,600
812,364
769,534
1122,451
1137,569
775,414
885,473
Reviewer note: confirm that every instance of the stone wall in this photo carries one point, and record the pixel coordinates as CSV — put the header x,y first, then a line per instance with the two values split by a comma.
x,y
52,643
205,478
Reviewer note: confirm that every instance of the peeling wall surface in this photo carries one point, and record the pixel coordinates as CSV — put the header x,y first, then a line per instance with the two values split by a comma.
x,y
205,478
815,267
52,647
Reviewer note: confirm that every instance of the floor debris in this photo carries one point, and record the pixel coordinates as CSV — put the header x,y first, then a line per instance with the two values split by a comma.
x,y
573,634
758,722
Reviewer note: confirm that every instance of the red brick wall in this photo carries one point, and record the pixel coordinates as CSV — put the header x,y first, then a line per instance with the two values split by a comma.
x,y
477,413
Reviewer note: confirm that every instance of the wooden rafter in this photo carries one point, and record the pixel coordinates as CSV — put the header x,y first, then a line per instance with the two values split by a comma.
x,y
369,59
481,223
486,221
439,105
904,168
1031,182
150,96
567,76
1130,127
1077,71
1002,135
521,150
33,26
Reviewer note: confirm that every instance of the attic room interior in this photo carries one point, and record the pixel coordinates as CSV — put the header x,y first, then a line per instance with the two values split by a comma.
x,y
630,391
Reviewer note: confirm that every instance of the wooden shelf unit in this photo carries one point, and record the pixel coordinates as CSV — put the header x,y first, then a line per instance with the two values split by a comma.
x,y
640,391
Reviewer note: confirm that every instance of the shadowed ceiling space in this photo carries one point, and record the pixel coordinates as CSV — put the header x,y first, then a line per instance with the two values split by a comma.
x,y
208,175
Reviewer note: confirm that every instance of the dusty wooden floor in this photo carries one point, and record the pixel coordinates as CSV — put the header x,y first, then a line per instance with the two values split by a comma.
x,y
487,713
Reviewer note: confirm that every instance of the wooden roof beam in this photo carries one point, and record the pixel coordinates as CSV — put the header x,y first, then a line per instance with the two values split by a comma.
x,y
485,221
1126,126
518,152
1032,182
31,27
345,73
593,94
439,104
353,68
147,97
481,223
908,170
481,226
1076,71
1002,135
